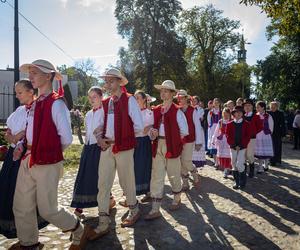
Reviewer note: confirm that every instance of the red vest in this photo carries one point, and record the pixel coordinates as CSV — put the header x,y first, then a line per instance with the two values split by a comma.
x,y
246,133
172,132
46,146
191,137
256,125
124,131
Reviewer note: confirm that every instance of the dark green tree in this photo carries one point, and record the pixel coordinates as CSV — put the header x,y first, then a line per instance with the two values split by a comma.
x,y
210,38
155,51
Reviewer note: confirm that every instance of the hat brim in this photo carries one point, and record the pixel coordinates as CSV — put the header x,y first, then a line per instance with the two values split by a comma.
x,y
151,99
159,87
24,68
123,79
188,96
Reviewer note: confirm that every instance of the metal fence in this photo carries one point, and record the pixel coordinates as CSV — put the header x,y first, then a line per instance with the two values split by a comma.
x,y
6,102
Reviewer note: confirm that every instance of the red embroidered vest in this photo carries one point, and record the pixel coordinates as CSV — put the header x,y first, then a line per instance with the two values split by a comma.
x,y
124,131
191,137
172,132
46,146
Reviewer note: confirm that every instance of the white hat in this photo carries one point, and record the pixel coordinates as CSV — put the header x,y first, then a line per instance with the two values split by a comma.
x,y
167,84
115,73
43,65
182,92
150,98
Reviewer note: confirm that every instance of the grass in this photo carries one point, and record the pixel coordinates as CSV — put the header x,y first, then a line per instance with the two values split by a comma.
x,y
72,156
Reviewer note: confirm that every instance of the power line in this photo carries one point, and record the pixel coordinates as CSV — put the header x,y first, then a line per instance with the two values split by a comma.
x,y
43,34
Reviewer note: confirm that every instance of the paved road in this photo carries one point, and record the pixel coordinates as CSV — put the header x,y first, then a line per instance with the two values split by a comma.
x,y
264,216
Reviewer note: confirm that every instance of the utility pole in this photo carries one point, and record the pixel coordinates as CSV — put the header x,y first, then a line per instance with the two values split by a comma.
x,y
16,51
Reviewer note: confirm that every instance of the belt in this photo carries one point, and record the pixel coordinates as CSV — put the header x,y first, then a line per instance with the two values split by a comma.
x,y
161,137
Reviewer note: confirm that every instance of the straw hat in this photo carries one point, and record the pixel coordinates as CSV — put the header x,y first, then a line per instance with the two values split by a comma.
x,y
42,65
117,74
183,93
167,84
150,98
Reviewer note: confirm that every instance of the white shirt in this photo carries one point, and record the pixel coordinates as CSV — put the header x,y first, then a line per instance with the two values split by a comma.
x,y
148,120
182,123
198,126
16,122
134,113
61,119
270,121
200,111
296,122
248,114
93,120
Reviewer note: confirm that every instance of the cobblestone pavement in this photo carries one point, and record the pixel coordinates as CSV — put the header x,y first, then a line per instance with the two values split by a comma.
x,y
264,216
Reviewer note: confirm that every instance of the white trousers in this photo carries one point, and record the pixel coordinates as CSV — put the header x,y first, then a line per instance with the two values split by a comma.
x,y
238,159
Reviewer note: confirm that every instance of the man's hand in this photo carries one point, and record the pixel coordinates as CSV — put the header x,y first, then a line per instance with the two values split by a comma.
x,y
103,143
198,147
153,133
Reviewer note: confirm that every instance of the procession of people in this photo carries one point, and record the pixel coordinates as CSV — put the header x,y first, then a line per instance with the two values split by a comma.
x,y
124,133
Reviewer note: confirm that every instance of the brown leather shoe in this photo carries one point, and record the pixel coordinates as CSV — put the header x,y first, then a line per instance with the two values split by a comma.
x,y
146,198
17,246
153,216
123,203
130,220
175,206
93,235
83,241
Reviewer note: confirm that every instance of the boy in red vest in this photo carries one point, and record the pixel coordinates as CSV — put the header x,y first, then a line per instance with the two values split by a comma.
x,y
122,120
48,133
238,134
169,129
255,123
191,141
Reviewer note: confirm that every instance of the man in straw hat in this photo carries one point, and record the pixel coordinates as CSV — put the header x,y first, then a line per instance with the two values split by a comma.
x,y
122,121
48,133
191,141
170,126
238,134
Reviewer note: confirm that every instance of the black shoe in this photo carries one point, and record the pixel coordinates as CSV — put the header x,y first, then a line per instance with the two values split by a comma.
x,y
243,179
266,169
251,170
236,176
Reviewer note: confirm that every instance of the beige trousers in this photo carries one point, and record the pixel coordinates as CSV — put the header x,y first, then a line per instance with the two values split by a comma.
x,y
161,166
238,159
186,159
37,187
122,162
250,151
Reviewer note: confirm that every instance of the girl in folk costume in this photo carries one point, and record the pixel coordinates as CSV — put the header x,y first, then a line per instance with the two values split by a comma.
x,y
143,151
220,141
199,158
255,123
122,122
16,125
48,132
193,141
263,143
213,118
86,184
238,134
169,129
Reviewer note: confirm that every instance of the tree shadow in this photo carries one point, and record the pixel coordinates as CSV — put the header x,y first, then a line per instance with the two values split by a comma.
x,y
241,230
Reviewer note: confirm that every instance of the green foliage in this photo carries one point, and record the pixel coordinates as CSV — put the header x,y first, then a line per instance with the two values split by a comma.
x,y
68,96
155,51
72,156
211,40
279,74
285,15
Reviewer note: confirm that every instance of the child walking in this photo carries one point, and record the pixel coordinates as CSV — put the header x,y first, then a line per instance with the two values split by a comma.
x,y
220,141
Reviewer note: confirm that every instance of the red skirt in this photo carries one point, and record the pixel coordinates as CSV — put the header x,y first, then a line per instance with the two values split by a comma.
x,y
224,163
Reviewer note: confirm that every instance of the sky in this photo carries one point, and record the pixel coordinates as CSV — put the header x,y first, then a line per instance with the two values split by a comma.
x,y
88,29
